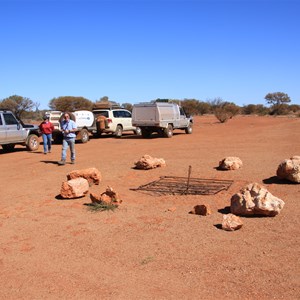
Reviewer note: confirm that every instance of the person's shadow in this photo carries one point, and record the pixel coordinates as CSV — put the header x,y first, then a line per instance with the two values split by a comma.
x,y
54,162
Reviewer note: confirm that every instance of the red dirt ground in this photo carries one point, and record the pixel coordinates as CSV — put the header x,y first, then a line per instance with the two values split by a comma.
x,y
151,247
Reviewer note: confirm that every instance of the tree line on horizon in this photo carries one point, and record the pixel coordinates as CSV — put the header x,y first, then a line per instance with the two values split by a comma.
x,y
279,104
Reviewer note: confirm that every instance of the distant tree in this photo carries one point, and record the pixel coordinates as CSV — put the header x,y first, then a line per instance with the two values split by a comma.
x,y
70,103
294,108
278,102
127,106
204,108
277,98
105,99
17,104
191,106
254,109
37,105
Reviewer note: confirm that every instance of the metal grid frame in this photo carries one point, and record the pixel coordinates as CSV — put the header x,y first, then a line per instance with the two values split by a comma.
x,y
172,185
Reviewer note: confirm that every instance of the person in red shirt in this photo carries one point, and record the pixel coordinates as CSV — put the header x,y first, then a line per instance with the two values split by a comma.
x,y
46,128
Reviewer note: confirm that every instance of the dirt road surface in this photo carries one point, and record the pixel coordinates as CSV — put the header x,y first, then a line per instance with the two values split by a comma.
x,y
151,247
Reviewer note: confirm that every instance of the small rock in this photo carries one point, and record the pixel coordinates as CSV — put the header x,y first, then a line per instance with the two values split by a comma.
x,y
92,175
148,162
171,209
231,222
74,188
289,169
202,210
230,163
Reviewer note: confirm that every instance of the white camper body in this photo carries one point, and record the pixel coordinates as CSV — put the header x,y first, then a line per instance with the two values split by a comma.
x,y
84,119
161,117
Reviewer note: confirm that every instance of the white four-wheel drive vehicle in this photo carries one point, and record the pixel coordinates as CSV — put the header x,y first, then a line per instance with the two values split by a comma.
x,y
14,132
115,121
161,117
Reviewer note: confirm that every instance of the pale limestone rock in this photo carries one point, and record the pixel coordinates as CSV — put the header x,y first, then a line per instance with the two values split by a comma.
x,y
290,169
230,163
202,210
148,162
255,199
74,188
92,175
109,196
231,222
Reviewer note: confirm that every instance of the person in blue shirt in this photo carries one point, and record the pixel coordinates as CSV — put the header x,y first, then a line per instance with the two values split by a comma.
x,y
68,128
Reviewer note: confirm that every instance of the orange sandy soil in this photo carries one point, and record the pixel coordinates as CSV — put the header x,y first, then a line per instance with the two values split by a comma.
x,y
151,247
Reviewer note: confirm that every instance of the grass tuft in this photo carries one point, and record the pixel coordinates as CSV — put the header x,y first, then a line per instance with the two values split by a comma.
x,y
95,207
147,260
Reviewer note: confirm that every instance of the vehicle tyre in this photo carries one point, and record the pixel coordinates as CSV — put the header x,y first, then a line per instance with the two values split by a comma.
x,y
146,133
32,142
84,136
168,132
119,131
8,147
138,131
189,129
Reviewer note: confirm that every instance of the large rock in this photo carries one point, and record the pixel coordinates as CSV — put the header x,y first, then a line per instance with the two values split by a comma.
x,y
148,162
74,188
109,196
255,199
231,222
92,175
290,169
230,163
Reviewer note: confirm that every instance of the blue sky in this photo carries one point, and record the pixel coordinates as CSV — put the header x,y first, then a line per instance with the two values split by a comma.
x,y
140,50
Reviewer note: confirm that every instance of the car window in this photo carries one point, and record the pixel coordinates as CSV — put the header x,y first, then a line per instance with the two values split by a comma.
x,y
1,120
117,114
127,114
10,119
103,113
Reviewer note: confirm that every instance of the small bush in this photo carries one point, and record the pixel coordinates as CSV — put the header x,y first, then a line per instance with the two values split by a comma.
x,y
255,109
94,207
226,111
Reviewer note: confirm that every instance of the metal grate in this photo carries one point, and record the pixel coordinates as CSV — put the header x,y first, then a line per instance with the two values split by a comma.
x,y
170,185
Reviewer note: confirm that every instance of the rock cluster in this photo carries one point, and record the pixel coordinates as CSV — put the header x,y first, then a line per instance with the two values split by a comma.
x,y
289,169
255,199
230,163
147,162
109,197
79,182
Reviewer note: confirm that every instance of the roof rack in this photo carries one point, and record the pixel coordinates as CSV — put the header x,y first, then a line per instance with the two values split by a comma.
x,y
106,105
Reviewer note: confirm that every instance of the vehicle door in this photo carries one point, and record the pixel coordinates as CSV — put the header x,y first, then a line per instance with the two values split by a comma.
x,y
2,131
183,121
127,120
121,117
14,130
